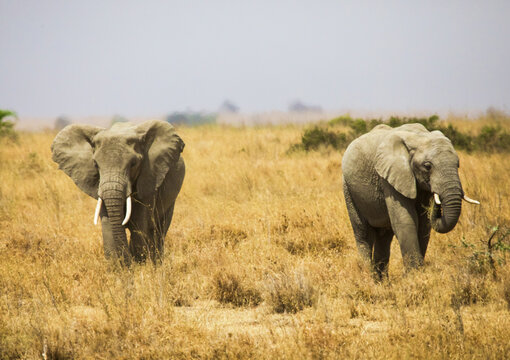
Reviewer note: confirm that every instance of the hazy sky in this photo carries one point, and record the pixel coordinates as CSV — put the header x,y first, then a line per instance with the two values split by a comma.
x,y
140,58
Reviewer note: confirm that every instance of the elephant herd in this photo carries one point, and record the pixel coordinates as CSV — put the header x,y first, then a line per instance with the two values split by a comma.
x,y
390,176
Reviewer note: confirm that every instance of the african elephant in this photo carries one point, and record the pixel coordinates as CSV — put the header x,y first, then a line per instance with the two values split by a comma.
x,y
390,176
135,172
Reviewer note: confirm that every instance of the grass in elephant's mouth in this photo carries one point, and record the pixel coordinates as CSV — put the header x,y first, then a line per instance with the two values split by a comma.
x,y
260,263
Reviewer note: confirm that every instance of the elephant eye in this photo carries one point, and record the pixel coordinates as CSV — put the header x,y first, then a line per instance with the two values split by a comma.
x,y
427,166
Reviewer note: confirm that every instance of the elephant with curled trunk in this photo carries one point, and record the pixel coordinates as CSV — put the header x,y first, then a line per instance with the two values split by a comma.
x,y
390,176
135,173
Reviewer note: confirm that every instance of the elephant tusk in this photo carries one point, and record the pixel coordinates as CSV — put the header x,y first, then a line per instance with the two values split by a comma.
x,y
471,201
436,199
98,209
128,210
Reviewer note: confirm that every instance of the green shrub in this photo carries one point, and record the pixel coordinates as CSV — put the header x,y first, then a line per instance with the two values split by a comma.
x,y
7,126
430,123
492,138
359,127
343,120
459,140
317,136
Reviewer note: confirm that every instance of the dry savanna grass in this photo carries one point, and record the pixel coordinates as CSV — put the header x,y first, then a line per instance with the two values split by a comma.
x,y
260,263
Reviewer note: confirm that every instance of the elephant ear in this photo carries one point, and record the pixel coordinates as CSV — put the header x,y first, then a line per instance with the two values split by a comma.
x,y
162,150
72,151
393,164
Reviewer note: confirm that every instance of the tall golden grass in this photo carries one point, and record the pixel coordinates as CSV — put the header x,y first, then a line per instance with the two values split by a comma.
x,y
260,263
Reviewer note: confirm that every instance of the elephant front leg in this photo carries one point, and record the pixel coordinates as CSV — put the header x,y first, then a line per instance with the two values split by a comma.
x,y
161,226
139,245
141,233
404,222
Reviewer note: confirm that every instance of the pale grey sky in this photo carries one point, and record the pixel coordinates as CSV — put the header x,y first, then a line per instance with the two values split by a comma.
x,y
140,58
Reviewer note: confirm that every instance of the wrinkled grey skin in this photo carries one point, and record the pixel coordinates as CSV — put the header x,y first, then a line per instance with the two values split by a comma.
x,y
142,161
389,178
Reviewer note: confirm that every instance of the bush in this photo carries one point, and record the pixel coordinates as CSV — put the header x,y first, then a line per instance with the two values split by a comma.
x,y
459,140
6,125
317,136
492,138
343,120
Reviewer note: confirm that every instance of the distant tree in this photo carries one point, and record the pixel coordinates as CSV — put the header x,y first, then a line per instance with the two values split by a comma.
x,y
299,106
7,122
191,118
228,107
61,122
177,118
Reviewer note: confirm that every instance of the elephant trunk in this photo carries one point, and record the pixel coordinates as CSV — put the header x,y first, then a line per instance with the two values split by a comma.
x,y
112,190
444,217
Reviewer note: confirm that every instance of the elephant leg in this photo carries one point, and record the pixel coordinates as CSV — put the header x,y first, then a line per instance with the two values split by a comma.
x,y
404,222
381,256
160,230
140,233
363,233
139,245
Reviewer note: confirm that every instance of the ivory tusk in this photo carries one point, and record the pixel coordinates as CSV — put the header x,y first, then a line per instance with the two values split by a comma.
x,y
98,209
436,199
471,201
128,210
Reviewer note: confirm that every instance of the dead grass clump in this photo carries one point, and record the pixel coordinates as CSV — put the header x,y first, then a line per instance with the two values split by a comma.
x,y
506,288
290,293
230,289
364,292
506,292
228,235
414,290
239,347
303,243
360,286
469,289
181,294
322,342
304,233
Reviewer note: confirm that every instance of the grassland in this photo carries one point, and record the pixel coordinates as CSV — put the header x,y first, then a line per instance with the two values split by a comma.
x,y
260,263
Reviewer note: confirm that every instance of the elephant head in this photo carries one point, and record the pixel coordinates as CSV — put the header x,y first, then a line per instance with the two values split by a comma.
x,y
112,165
413,159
